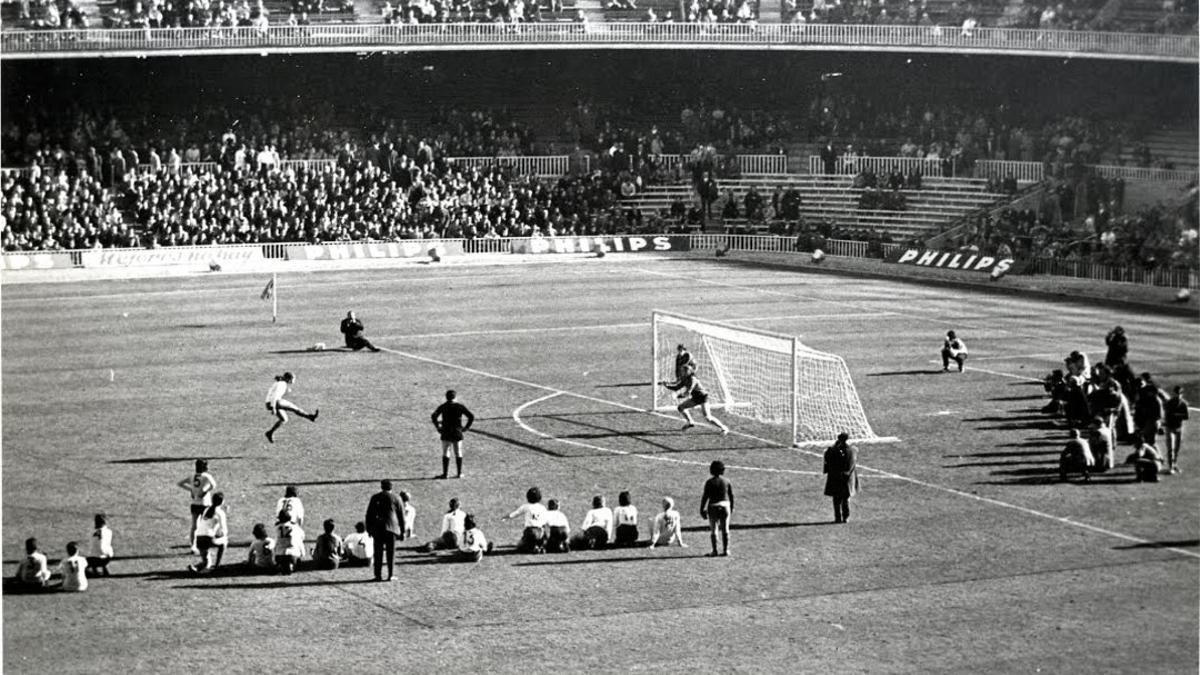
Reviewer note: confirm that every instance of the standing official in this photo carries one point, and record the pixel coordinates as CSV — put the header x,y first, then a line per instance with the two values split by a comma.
x,y
841,476
384,517
448,420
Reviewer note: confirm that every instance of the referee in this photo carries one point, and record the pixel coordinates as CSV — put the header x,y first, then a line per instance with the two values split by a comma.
x,y
448,419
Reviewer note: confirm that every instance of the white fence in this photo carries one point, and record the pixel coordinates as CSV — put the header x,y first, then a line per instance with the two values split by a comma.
x,y
1035,171
364,37
880,165
762,164
538,165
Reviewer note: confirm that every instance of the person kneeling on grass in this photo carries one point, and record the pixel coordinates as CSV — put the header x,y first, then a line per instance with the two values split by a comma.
x,y
289,544
212,536
1146,462
262,551
328,552
452,530
1076,456
597,528
666,526
474,544
102,547
559,540
533,537
626,517
954,349
360,547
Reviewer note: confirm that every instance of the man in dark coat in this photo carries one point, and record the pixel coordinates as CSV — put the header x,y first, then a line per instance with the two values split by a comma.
x,y
841,476
384,518
352,329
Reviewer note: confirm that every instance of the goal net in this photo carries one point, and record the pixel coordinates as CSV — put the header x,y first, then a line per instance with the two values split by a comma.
x,y
763,376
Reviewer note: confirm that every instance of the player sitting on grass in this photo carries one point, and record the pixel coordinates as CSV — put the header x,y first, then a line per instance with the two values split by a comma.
x,y
695,396
1146,462
474,544
597,528
559,540
262,551
290,502
212,536
533,537
33,572
360,547
352,329
102,547
289,544
626,518
328,552
452,530
409,514
278,406
666,526
72,569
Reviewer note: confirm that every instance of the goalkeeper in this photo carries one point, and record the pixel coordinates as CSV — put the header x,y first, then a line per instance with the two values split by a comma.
x,y
692,395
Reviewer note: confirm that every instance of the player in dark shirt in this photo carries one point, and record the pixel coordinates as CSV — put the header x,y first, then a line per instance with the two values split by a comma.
x,y
716,505
451,428
683,359
352,329
695,397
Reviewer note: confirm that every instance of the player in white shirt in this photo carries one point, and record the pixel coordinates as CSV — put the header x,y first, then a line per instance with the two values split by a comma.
x,y
278,406
34,570
201,484
290,502
533,537
262,550
452,530
212,536
289,543
558,540
626,518
360,546
102,548
666,526
409,514
74,578
597,528
474,544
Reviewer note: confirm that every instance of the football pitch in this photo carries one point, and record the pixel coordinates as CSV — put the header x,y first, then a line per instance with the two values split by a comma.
x,y
963,553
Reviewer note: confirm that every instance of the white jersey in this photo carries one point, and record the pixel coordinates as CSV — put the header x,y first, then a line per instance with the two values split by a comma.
x,y
360,545
666,527
202,486
535,514
34,569
290,540
73,576
473,540
102,543
626,515
277,391
410,516
601,517
454,521
293,506
557,518
214,526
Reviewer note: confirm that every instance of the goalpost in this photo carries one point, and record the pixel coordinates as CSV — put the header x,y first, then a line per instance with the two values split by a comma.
x,y
763,376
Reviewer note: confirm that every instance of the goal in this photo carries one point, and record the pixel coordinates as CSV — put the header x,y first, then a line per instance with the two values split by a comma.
x,y
763,376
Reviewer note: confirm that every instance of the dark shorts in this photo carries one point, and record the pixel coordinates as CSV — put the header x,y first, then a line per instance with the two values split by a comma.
x,y
699,399
198,510
95,562
717,514
626,535
204,542
452,435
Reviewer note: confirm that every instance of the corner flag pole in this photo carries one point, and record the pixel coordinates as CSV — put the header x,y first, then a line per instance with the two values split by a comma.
x,y
274,298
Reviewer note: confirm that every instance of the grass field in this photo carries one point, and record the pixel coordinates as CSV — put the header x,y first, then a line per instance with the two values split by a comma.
x,y
964,552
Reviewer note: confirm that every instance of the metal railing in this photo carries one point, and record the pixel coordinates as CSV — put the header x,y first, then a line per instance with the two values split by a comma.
x,y
881,165
356,37
762,164
1082,269
537,165
1036,171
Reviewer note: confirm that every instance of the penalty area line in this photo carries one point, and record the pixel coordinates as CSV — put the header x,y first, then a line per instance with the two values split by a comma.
x,y
932,486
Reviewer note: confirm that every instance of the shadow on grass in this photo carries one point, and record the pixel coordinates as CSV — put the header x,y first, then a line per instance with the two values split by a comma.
x,y
1011,463
349,481
1046,425
624,384
167,460
1002,454
1033,444
332,350
517,443
1181,543
891,373
1027,383
649,557
1030,397
1009,418
279,581
758,526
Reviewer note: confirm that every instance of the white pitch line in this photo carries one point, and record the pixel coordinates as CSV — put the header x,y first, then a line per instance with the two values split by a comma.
x,y
882,473
516,415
